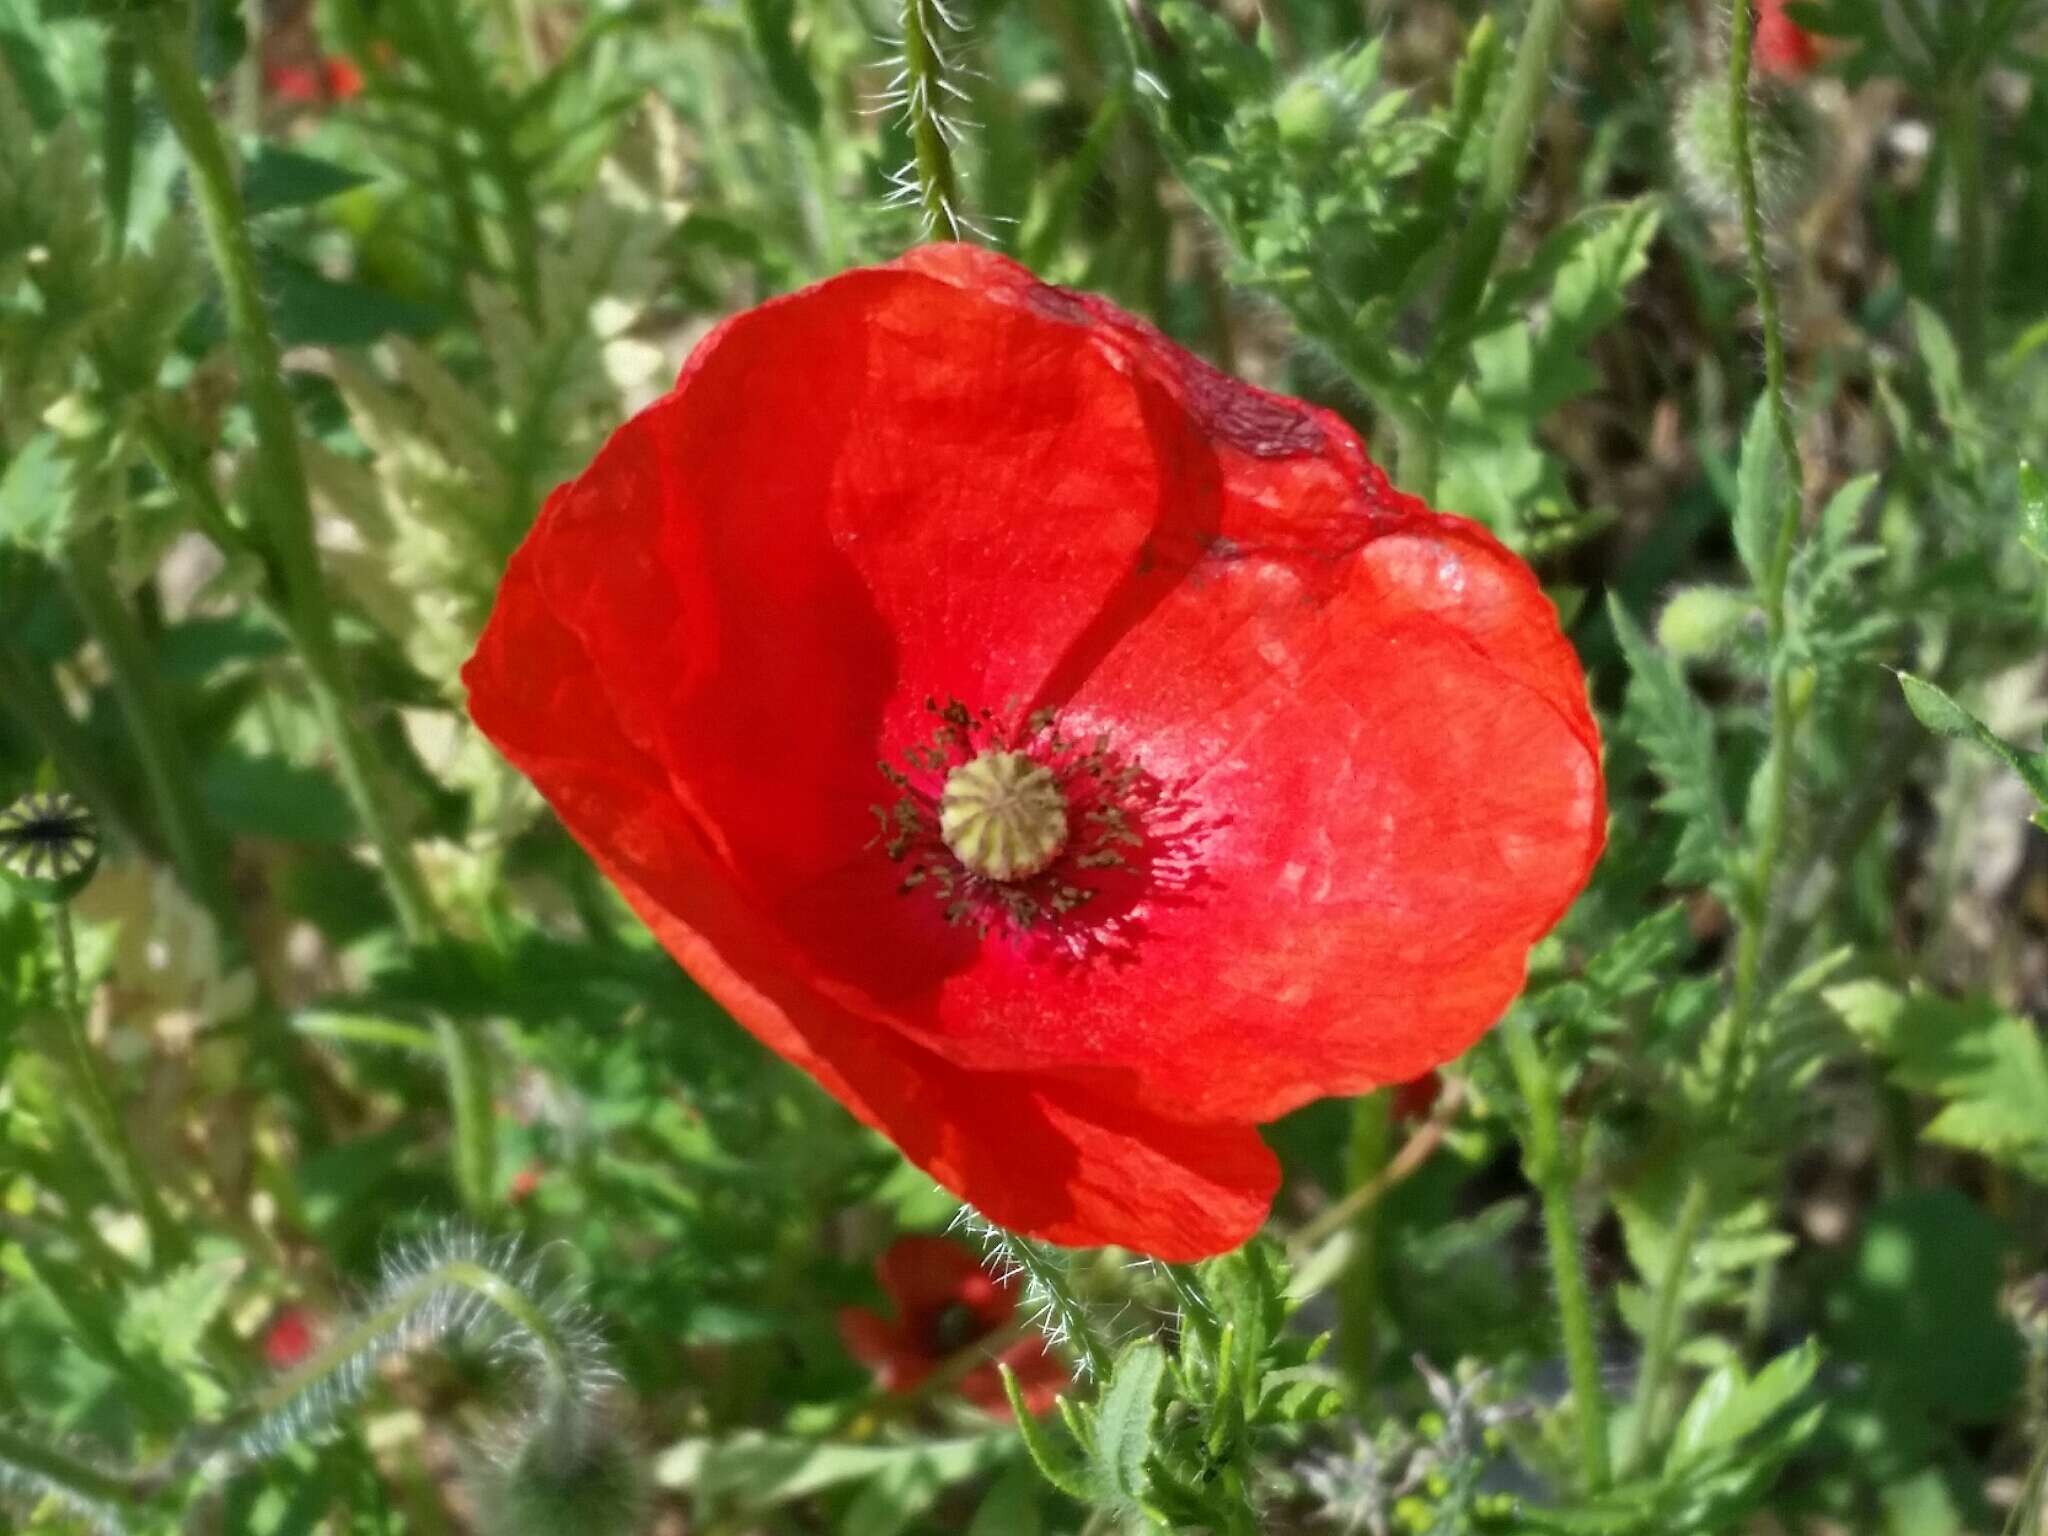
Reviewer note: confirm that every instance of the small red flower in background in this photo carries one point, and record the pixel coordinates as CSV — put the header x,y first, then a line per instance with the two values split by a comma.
x,y
943,1300
524,1183
1215,775
1783,47
289,1338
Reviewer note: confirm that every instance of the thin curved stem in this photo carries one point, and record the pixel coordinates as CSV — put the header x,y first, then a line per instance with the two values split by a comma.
x,y
1550,1168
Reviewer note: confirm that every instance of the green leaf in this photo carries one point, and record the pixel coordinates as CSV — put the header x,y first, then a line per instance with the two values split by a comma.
x,y
2034,510
37,495
758,1471
1057,1463
1678,734
1945,717
315,310
1123,1427
169,1319
788,73
1730,1405
270,797
1760,492
1919,1307
285,178
1986,1065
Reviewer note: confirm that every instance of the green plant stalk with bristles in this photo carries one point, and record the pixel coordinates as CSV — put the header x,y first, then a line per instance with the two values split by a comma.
x,y
1752,905
924,69
1549,1166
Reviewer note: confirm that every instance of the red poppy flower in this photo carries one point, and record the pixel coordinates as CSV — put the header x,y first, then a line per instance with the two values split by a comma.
x,y
1214,774
943,1301
289,1338
1783,47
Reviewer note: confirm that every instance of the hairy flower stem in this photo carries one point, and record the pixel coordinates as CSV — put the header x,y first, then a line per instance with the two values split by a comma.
x,y
924,68
76,1482
1550,1167
395,1310
1752,906
282,501
94,1104
1472,260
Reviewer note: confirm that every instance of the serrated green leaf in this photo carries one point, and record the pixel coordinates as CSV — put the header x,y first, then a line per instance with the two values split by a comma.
x,y
1942,715
170,1318
1060,1465
278,178
1760,492
1730,1405
1987,1066
1123,1427
1678,733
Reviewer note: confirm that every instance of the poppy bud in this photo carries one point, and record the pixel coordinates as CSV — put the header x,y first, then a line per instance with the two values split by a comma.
x,y
1306,115
49,846
1782,129
1703,622
570,1470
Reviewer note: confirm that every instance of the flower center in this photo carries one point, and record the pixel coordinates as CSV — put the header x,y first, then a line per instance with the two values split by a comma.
x,y
1010,826
1003,815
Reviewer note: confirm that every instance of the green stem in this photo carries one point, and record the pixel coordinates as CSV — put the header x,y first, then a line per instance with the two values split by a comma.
x,y
1473,257
1964,136
95,1104
468,1068
281,499
924,69
1358,1288
74,1479
117,157
1549,1166
195,851
1752,906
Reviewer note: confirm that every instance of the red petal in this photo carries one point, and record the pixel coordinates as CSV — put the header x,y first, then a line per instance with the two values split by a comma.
x,y
1042,1157
926,1273
878,1344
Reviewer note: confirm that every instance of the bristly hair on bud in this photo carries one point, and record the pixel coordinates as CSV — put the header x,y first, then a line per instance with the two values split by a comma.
x,y
926,93
455,1286
1048,1299
1783,129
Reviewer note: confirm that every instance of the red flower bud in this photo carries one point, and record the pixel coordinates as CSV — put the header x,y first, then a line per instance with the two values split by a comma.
x,y
1215,775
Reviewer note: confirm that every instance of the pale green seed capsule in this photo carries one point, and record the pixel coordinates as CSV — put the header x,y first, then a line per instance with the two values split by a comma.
x,y
1003,816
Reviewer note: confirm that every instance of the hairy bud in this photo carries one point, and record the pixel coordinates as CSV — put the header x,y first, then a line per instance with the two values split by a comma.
x,y
569,1469
1699,623
1782,133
